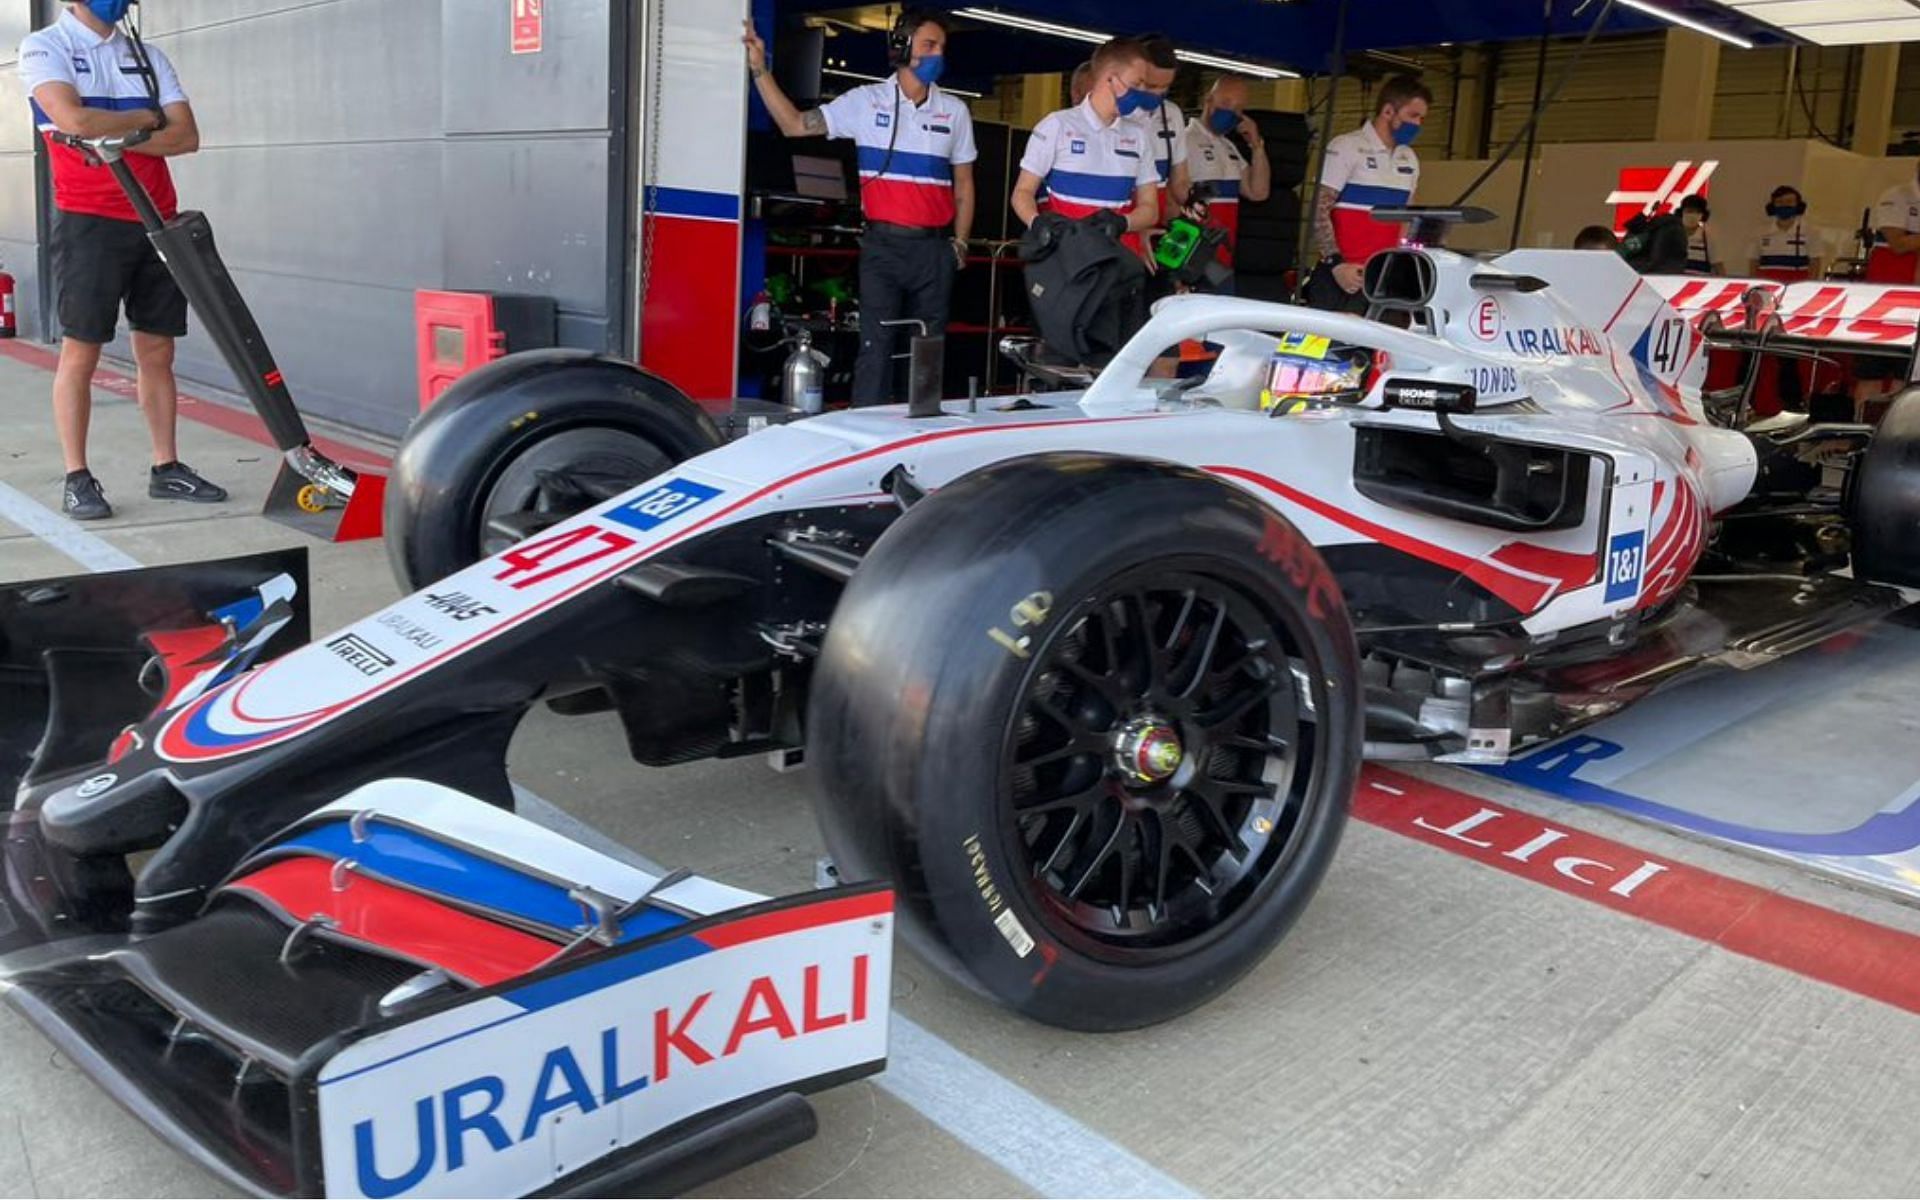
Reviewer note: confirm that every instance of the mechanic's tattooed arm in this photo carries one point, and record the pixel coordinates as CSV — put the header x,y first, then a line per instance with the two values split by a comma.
x,y
1324,239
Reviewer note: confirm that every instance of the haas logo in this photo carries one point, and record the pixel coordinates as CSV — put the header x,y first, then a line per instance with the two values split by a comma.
x,y
1655,190
1486,319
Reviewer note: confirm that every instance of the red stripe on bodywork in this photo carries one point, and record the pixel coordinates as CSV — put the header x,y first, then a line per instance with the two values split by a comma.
x,y
412,926
180,651
1525,595
171,746
1850,953
1571,569
792,920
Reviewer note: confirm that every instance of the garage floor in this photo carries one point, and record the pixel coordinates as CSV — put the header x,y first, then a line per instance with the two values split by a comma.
x,y
1497,991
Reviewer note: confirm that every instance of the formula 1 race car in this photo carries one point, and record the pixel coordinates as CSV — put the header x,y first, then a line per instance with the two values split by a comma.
x,y
1086,676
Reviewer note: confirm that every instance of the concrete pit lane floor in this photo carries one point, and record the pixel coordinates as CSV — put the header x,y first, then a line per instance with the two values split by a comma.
x,y
1494,993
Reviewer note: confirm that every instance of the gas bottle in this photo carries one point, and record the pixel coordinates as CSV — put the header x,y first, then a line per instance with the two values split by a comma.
x,y
803,380
9,321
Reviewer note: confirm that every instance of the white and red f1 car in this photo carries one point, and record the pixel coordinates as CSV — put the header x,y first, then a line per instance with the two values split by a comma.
x,y
1085,676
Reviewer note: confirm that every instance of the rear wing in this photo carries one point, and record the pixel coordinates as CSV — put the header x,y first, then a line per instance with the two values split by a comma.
x,y
1879,320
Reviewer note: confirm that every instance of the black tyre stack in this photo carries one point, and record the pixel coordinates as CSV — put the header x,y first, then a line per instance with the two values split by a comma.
x,y
1270,230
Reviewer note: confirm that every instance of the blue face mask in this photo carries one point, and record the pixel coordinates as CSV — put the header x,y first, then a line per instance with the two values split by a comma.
x,y
1134,100
1404,135
109,11
1787,212
929,69
1223,121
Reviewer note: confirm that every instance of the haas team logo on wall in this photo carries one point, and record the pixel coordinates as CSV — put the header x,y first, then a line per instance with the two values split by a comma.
x,y
1655,190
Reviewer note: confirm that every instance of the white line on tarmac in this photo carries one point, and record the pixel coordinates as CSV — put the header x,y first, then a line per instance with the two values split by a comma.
x,y
1017,1131
63,535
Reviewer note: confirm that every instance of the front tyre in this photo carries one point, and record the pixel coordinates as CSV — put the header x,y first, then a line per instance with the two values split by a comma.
x,y
540,435
1098,720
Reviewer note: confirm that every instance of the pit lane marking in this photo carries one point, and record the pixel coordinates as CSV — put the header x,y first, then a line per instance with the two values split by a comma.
x,y
93,553
1847,952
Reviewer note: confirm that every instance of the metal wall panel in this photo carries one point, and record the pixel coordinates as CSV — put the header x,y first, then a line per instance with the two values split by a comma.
x,y
353,151
19,203
529,150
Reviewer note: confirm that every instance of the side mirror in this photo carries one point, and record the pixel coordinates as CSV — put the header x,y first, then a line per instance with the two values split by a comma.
x,y
1447,399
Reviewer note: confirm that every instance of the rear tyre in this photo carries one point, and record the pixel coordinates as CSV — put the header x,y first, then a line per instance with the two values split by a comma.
x,y
1886,498
1098,720
547,432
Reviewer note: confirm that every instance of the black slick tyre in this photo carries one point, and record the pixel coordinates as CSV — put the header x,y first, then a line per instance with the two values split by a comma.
x,y
1098,720
546,432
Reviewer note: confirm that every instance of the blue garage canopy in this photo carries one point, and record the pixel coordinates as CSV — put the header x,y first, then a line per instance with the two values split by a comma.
x,y
1299,35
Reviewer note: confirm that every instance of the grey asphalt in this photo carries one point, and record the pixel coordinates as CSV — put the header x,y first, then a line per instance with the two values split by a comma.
x,y
1431,1026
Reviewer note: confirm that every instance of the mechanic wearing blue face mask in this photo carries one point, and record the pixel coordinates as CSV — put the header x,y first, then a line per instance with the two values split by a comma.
x,y
1213,158
1788,250
86,78
1096,164
1372,167
916,153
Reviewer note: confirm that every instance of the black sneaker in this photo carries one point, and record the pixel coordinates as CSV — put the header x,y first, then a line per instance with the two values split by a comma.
x,y
82,498
176,481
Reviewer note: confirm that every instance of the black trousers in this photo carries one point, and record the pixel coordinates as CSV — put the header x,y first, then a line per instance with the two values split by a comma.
x,y
901,278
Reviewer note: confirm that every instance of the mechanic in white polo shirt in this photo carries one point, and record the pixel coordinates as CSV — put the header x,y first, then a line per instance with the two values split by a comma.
x,y
1214,160
1896,222
1095,162
1164,124
86,78
916,154
1372,167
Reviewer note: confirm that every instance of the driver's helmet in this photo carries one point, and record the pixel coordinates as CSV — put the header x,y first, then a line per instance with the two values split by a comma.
x,y
1307,368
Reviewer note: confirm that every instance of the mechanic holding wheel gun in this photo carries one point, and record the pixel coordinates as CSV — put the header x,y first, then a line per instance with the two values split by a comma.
x,y
1372,167
916,154
86,78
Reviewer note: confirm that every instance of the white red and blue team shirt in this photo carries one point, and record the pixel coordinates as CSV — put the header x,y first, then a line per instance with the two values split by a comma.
x,y
1217,162
1787,251
906,151
105,73
1088,165
1899,208
1364,173
1166,130
1699,252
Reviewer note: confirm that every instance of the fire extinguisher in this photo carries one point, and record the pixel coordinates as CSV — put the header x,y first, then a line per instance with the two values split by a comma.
x,y
9,321
759,313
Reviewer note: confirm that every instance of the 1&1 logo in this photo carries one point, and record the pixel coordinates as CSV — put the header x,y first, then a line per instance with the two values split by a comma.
x,y
661,504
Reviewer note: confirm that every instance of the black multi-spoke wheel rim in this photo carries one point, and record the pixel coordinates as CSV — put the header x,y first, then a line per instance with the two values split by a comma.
x,y
1159,767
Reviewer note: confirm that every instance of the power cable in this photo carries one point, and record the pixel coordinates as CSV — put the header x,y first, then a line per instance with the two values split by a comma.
x,y
1566,76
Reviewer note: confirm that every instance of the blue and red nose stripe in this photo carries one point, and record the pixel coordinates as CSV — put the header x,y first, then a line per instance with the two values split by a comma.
x,y
423,864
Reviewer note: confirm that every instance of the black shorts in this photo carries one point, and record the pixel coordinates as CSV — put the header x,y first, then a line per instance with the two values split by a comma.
x,y
98,265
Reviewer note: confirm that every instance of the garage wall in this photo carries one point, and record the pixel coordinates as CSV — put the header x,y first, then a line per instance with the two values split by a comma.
x,y
19,211
355,150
